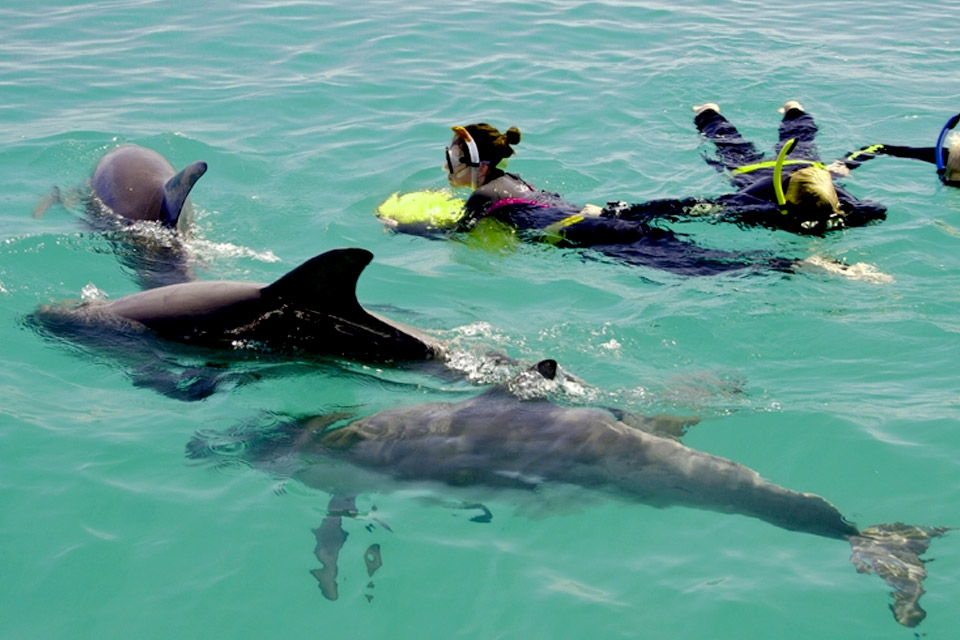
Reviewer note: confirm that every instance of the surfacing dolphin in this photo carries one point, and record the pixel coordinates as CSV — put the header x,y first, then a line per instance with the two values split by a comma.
x,y
137,183
310,312
141,204
501,441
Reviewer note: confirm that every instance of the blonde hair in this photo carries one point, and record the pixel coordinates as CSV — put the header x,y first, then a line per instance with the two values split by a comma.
x,y
812,188
952,173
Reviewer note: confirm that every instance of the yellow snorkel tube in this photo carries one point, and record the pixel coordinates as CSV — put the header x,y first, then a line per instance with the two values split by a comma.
x,y
778,174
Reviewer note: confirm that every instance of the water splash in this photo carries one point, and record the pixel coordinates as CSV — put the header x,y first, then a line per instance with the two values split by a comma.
x,y
860,271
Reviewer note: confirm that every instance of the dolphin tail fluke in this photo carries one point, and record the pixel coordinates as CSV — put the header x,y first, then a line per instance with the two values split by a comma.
x,y
892,551
52,198
176,190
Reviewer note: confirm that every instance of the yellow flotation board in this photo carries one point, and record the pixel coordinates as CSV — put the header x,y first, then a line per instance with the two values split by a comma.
x,y
433,208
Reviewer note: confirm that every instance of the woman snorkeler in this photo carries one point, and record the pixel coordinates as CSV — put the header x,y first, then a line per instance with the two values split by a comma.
x,y
475,158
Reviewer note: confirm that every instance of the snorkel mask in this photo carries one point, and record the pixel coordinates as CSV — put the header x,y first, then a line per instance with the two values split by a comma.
x,y
938,150
473,161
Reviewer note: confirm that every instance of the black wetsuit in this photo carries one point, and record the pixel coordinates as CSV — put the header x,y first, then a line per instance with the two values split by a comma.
x,y
541,216
755,201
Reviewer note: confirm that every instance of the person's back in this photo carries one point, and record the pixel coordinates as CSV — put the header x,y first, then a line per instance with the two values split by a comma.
x,y
795,192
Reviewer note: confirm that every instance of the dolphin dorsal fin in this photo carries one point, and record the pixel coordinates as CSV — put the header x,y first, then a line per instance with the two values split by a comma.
x,y
546,368
526,385
326,281
176,190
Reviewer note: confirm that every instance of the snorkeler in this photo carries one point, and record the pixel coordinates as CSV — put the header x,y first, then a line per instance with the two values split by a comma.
x,y
795,192
476,158
947,160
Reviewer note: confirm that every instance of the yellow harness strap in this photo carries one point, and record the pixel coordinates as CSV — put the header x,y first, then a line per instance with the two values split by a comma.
x,y
554,231
871,149
747,168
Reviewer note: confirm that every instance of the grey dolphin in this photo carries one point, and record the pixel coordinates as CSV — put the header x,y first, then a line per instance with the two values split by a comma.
x,y
137,183
500,440
309,312
133,184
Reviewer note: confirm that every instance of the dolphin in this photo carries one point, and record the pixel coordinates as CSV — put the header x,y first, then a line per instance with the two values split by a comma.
x,y
132,185
137,183
499,440
312,311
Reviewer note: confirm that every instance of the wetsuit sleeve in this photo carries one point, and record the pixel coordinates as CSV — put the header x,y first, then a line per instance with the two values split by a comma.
x,y
668,209
927,154
865,212
859,212
858,157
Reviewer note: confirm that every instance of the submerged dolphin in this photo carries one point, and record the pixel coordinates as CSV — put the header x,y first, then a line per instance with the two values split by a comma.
x,y
137,183
311,311
499,440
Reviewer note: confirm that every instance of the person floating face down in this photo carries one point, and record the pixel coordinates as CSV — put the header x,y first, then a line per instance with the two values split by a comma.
x,y
795,192
476,158
946,158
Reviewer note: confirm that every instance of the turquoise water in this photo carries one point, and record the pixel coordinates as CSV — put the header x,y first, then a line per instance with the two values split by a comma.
x,y
309,114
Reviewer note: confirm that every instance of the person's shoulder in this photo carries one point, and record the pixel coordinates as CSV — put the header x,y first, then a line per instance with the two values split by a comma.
x,y
508,183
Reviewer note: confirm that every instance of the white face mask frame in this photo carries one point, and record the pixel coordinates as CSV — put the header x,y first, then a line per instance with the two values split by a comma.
x,y
474,162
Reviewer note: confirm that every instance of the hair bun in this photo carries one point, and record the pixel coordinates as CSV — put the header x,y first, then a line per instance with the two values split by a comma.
x,y
513,135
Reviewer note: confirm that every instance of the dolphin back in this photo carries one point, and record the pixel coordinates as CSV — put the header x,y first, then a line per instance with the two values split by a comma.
x,y
321,296
324,282
137,183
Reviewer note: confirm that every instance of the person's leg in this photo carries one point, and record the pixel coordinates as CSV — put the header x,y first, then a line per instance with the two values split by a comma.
x,y
732,150
799,125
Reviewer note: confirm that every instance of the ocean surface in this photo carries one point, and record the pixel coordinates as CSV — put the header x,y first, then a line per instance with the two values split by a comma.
x,y
310,114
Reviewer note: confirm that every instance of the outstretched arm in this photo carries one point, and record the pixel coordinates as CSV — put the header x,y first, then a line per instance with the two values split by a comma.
x,y
851,161
665,208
